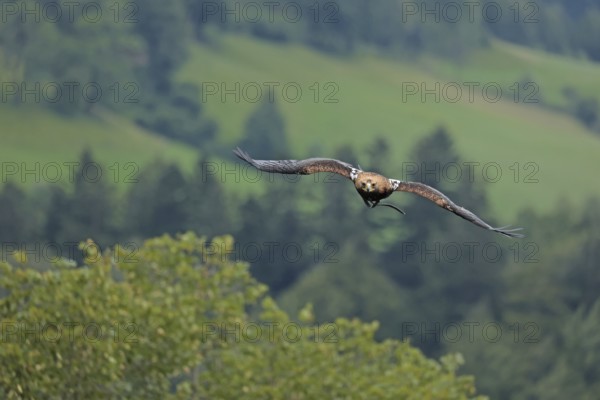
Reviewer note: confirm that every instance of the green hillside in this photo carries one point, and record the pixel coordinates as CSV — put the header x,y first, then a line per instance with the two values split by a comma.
x,y
562,153
33,134
508,63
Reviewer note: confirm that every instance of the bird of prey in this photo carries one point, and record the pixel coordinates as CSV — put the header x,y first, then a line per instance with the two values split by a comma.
x,y
371,186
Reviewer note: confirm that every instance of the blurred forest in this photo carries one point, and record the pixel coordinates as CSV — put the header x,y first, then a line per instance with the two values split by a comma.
x,y
330,251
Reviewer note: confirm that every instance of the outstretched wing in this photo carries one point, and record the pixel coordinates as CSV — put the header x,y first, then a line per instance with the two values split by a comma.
x,y
301,167
443,201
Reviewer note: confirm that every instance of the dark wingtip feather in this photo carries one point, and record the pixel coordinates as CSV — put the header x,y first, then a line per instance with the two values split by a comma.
x,y
243,155
513,233
239,152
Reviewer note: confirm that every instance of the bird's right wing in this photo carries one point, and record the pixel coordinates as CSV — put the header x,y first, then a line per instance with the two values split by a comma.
x,y
444,201
300,167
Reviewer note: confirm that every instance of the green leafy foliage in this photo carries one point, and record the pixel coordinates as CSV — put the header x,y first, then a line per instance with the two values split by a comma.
x,y
157,323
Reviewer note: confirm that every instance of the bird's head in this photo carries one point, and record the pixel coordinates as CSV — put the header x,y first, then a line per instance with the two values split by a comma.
x,y
368,185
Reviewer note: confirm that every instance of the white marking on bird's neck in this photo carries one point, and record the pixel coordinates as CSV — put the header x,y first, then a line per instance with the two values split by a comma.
x,y
354,174
395,183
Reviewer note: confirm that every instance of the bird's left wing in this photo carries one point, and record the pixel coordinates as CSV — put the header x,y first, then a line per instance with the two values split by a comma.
x,y
443,201
301,167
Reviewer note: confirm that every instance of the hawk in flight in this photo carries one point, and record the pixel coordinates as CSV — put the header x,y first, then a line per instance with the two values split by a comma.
x,y
371,186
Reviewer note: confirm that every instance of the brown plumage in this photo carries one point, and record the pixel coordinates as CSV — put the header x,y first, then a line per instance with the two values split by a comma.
x,y
371,186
